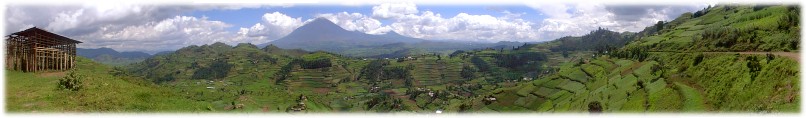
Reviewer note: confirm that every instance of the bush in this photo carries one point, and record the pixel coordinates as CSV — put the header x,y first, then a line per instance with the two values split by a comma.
x,y
480,64
698,59
72,82
218,69
315,63
467,72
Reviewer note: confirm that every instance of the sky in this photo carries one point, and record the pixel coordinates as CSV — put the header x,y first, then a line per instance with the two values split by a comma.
x,y
153,28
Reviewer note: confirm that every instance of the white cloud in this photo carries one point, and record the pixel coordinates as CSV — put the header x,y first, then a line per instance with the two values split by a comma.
x,y
124,27
167,34
463,26
430,25
356,22
579,19
393,10
273,26
129,27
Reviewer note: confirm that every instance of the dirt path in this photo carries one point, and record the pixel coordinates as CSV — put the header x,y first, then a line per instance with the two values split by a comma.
x,y
792,55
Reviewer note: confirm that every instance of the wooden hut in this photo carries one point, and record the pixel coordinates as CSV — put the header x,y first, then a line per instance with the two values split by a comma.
x,y
34,49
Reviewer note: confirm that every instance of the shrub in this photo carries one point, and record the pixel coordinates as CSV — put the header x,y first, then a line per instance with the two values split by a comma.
x,y
72,82
218,69
315,63
480,64
698,59
467,72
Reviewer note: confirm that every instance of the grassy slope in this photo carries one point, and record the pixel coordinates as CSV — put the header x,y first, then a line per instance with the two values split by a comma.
x,y
102,92
669,82
719,83
763,29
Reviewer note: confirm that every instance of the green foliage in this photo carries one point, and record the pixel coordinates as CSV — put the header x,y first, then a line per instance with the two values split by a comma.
x,y
698,59
480,64
315,60
72,82
592,40
729,28
467,72
374,70
218,69
636,53
517,60
99,91
285,72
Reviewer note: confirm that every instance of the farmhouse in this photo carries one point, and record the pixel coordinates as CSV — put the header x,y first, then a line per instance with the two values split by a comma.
x,y
34,49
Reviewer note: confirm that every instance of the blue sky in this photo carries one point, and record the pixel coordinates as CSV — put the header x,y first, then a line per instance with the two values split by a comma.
x,y
154,27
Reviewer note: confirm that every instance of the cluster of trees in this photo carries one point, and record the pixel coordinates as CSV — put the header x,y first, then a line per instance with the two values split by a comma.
x,y
659,26
480,64
315,63
373,70
285,71
218,69
384,102
636,53
723,37
777,35
467,72
378,70
592,40
530,60
456,53
701,12
258,57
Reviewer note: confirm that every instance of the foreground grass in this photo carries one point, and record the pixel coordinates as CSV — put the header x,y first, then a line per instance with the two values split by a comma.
x,y
102,92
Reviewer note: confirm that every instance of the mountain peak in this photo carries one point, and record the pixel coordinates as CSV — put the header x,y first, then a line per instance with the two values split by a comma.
x,y
323,34
392,33
321,19
321,24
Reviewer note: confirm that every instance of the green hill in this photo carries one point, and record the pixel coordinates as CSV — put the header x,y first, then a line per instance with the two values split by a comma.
x,y
101,91
660,71
729,28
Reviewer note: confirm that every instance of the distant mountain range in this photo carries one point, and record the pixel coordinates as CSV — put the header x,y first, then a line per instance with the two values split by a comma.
x,y
111,56
322,34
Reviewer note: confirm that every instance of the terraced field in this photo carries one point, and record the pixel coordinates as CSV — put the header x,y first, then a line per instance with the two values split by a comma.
x,y
430,71
617,85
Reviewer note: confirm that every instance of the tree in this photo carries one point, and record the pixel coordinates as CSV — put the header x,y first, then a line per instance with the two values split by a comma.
x,y
218,69
456,53
285,71
374,70
467,72
698,59
480,64
565,54
659,26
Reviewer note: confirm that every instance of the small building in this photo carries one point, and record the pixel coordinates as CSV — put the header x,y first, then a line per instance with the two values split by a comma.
x,y
34,49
